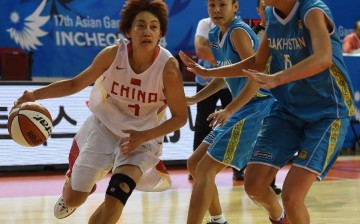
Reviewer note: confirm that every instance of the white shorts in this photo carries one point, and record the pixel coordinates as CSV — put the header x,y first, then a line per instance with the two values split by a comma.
x,y
99,152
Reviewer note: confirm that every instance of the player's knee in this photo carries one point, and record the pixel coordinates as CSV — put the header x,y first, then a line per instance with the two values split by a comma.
x,y
291,200
253,188
121,187
192,163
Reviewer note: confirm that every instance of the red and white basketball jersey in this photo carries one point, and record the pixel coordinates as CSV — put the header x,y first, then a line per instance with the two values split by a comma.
x,y
122,99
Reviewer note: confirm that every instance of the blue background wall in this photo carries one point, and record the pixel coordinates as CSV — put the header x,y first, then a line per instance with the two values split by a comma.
x,y
65,35
63,46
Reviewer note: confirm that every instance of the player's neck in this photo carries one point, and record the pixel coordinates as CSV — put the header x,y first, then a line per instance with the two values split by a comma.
x,y
140,60
284,8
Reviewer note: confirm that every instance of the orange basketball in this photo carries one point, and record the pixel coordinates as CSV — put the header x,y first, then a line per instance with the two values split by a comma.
x,y
30,124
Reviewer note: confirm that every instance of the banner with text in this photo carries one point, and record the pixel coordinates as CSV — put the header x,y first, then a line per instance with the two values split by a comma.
x,y
65,35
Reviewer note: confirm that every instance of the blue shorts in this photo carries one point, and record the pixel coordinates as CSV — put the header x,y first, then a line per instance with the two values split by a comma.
x,y
231,143
318,144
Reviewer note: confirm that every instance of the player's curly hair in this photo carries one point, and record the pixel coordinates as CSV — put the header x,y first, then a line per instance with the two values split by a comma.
x,y
132,7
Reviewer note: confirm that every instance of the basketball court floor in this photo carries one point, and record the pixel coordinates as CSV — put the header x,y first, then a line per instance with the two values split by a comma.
x,y
29,198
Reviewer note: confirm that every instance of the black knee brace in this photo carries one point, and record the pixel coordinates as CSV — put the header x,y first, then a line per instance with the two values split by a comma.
x,y
115,190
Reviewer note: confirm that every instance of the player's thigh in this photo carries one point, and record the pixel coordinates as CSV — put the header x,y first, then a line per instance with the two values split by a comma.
x,y
146,156
209,167
84,178
278,140
96,145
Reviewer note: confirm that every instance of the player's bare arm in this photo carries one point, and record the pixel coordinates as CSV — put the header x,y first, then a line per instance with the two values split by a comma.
x,y
243,46
242,43
70,86
214,86
262,55
221,116
203,50
175,98
234,70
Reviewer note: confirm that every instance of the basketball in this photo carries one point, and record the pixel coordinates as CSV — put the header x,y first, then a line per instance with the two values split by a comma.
x,y
30,124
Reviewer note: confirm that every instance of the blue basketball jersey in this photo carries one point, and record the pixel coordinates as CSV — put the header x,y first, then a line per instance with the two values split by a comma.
x,y
327,94
225,54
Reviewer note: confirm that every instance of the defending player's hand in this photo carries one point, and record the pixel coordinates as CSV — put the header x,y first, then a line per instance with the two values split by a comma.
x,y
130,143
218,118
264,81
28,96
192,66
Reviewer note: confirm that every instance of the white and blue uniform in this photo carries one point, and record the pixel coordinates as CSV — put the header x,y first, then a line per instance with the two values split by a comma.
x,y
231,143
310,116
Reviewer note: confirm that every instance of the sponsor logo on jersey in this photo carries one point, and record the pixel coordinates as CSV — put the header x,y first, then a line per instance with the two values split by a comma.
x,y
301,24
263,154
303,154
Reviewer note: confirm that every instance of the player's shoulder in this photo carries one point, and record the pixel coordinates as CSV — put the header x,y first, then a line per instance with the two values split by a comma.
x,y
120,44
306,6
239,23
171,65
111,49
171,72
106,57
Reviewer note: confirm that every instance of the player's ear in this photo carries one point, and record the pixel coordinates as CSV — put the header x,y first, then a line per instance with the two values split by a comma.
x,y
235,7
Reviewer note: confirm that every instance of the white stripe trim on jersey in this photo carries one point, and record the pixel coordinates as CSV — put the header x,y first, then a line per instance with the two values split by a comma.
x,y
288,17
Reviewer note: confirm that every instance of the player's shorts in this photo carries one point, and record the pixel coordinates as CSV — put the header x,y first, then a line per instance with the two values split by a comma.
x,y
99,152
318,144
231,144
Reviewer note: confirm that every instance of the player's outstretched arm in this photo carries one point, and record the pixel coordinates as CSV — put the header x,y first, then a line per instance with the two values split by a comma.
x,y
70,86
214,86
234,70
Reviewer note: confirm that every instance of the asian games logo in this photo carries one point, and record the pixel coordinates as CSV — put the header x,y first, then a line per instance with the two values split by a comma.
x,y
27,34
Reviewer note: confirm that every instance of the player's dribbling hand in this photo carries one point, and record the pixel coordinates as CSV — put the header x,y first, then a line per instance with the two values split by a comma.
x,y
28,96
192,66
130,143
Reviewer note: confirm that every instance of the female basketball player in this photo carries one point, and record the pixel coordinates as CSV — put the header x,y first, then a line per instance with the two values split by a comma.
x,y
229,144
314,103
136,80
